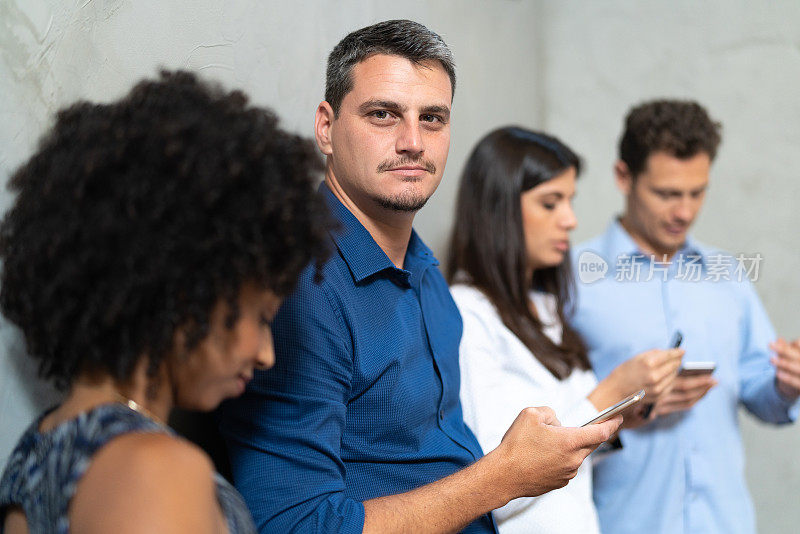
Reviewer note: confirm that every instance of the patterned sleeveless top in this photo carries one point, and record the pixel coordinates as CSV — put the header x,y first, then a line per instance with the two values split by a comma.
x,y
44,469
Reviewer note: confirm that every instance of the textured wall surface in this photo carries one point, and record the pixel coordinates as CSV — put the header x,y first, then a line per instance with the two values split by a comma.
x,y
573,67
54,52
741,60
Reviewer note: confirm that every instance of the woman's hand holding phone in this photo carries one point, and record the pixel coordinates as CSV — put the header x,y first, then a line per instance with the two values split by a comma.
x,y
643,415
653,371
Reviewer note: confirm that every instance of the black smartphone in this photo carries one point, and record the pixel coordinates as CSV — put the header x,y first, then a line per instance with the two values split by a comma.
x,y
677,339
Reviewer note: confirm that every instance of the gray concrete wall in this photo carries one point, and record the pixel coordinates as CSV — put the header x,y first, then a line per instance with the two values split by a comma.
x,y
53,52
573,67
742,60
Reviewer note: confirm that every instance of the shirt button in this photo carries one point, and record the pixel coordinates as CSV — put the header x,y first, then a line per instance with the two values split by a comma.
x,y
441,415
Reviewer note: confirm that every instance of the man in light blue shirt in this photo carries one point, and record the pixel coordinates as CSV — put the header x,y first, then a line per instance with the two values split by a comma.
x,y
640,283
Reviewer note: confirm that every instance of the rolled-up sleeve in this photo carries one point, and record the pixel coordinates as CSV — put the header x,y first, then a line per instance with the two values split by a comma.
x,y
284,434
758,390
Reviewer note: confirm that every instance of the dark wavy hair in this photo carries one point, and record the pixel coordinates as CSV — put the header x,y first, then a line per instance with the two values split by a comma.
x,y
487,246
681,128
134,218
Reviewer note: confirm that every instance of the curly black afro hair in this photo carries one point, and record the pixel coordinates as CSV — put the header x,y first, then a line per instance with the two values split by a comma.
x,y
136,217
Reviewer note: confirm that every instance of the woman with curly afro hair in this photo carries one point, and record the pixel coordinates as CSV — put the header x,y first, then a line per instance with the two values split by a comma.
x,y
149,247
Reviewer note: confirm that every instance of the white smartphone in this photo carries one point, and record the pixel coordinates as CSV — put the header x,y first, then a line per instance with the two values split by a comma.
x,y
697,368
608,413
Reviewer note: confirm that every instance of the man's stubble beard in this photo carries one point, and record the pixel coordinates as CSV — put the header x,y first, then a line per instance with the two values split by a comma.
x,y
406,202
409,200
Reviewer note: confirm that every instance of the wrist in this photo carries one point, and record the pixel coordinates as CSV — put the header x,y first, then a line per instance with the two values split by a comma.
x,y
496,475
786,393
607,392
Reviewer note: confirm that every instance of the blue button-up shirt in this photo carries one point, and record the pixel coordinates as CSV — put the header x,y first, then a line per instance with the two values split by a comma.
x,y
363,400
683,473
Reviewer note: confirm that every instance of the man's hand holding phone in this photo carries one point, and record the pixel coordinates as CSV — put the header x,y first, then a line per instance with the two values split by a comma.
x,y
686,391
538,455
619,408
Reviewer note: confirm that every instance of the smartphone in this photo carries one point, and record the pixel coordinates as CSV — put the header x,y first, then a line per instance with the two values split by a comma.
x,y
697,368
677,339
608,413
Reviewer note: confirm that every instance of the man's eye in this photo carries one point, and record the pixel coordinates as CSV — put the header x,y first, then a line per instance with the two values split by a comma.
x,y
548,206
430,118
380,114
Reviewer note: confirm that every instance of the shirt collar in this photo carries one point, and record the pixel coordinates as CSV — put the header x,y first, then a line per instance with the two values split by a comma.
x,y
619,243
360,251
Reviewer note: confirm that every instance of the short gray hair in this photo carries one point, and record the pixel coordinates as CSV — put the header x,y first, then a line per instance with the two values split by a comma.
x,y
404,38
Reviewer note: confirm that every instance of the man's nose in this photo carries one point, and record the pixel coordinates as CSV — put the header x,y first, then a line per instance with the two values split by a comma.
x,y
685,209
409,139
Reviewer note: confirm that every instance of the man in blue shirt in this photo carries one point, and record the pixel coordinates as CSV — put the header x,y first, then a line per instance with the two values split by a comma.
x,y
641,282
359,427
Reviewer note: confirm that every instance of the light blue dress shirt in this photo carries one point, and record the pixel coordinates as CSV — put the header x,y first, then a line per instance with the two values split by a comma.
x,y
683,473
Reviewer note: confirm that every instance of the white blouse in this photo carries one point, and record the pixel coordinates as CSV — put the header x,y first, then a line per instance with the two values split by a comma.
x,y
499,378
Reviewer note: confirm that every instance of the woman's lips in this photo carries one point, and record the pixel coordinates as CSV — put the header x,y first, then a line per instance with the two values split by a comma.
x,y
241,382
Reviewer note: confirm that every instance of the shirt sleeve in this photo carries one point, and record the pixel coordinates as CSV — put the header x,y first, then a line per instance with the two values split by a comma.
x,y
284,434
758,387
494,390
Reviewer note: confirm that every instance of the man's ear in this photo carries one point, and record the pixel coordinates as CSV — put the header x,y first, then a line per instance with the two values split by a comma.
x,y
323,123
623,177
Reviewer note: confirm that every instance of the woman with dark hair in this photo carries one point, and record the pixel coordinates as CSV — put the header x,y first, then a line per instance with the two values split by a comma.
x,y
511,279
149,246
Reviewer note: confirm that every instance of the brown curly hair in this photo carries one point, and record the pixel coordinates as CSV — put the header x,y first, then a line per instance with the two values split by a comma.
x,y
681,128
